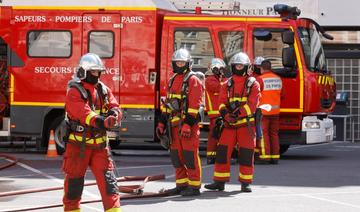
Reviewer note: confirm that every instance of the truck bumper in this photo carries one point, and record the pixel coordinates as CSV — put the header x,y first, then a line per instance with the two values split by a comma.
x,y
321,132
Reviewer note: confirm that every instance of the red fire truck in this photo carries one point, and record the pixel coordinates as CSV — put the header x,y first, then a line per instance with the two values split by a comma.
x,y
42,41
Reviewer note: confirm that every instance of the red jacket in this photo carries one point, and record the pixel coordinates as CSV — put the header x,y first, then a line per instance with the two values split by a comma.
x,y
194,98
78,109
238,92
212,85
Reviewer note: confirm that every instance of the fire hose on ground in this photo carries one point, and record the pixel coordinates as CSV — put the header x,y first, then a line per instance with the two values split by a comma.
x,y
133,192
13,159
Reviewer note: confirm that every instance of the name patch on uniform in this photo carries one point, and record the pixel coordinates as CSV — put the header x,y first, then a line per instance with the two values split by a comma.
x,y
272,84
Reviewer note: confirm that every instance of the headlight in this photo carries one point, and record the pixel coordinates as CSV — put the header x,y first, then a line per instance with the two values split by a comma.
x,y
312,125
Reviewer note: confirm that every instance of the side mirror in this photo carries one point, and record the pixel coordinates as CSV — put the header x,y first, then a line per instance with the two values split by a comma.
x,y
264,35
288,57
287,37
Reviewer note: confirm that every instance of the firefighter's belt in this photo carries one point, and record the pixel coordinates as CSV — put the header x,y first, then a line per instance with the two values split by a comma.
x,y
76,127
77,138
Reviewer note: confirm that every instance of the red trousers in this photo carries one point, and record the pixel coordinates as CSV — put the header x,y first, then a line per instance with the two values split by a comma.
x,y
101,166
211,142
245,140
184,153
269,146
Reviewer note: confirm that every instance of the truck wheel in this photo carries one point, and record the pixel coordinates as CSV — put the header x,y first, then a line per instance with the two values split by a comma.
x,y
284,148
59,127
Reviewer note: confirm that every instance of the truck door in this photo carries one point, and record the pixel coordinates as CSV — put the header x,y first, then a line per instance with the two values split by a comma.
x,y
271,47
101,35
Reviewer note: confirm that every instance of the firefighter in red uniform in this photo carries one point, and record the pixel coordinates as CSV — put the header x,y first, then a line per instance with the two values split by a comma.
x,y
270,86
180,113
239,98
91,109
213,80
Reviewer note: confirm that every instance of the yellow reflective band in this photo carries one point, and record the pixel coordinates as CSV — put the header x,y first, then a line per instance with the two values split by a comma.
x,y
175,96
89,117
191,110
165,110
242,121
113,210
209,101
256,150
319,80
222,106
88,140
213,112
210,153
192,18
269,156
242,99
194,183
199,164
182,181
262,146
245,177
248,111
76,210
174,119
219,174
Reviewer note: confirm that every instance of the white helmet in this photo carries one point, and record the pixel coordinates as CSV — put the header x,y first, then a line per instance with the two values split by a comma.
x,y
257,64
217,65
258,60
89,62
181,55
240,58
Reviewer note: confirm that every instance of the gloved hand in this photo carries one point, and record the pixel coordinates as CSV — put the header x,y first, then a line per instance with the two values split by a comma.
x,y
110,122
115,112
230,118
185,131
160,129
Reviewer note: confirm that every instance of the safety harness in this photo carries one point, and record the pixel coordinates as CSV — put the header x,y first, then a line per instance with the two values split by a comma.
x,y
74,126
247,88
183,94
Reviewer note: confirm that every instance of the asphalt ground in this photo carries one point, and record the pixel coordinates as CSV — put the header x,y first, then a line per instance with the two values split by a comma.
x,y
315,178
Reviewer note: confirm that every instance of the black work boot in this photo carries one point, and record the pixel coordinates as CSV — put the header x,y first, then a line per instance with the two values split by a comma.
x,y
210,160
245,187
216,185
190,192
175,191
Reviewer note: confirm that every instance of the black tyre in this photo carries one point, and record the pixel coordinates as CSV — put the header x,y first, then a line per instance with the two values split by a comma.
x,y
284,148
59,127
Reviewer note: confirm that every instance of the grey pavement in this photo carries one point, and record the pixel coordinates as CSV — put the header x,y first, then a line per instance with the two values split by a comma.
x,y
322,177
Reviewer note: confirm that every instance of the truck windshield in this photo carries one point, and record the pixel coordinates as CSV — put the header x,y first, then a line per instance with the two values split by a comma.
x,y
313,50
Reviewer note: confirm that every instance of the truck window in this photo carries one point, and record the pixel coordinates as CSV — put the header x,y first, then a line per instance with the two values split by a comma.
x,y
271,48
49,43
313,51
231,42
101,43
199,44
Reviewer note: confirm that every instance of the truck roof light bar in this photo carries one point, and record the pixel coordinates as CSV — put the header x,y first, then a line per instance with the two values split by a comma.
x,y
286,12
